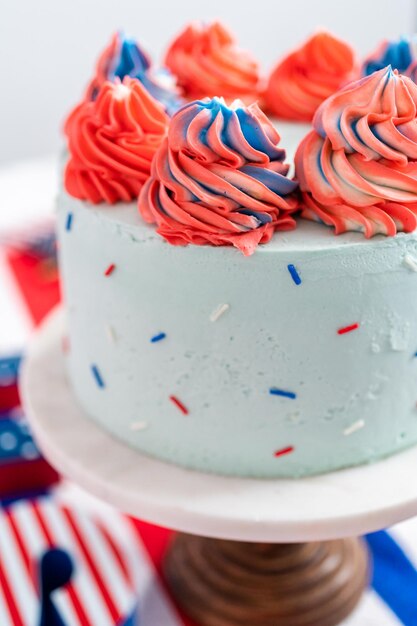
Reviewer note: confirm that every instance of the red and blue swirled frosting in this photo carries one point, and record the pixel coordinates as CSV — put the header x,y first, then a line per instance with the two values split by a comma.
x,y
401,54
219,178
124,57
357,169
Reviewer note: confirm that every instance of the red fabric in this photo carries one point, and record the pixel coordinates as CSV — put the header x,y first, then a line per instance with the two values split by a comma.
x,y
38,283
29,477
156,540
9,398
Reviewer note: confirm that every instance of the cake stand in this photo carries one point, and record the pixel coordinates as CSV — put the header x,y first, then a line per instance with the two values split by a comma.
x,y
249,552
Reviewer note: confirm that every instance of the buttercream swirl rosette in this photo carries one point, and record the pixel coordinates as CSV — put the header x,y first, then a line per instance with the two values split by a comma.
x,y
207,62
124,57
306,77
401,54
219,178
358,168
112,141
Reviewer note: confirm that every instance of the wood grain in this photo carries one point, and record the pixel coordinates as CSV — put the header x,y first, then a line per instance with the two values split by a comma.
x,y
230,583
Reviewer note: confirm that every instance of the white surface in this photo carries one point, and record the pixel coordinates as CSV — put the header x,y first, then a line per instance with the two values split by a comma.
x,y
28,190
48,48
349,502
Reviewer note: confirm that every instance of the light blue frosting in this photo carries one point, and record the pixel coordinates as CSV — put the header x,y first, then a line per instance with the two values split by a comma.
x,y
272,373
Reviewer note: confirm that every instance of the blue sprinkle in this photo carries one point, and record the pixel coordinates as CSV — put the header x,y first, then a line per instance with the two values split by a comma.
x,y
281,392
69,221
97,376
158,337
294,274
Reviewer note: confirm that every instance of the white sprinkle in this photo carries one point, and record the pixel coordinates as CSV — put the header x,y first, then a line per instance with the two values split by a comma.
x,y
111,333
410,262
353,428
222,308
136,426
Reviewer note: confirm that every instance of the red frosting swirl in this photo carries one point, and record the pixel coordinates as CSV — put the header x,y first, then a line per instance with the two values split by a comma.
x,y
112,141
219,178
309,75
358,168
207,62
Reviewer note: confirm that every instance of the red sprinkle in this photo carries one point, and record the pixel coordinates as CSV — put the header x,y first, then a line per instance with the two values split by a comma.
x,y
284,451
179,404
347,329
110,270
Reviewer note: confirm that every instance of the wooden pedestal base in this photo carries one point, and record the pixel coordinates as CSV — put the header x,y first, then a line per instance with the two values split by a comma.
x,y
231,583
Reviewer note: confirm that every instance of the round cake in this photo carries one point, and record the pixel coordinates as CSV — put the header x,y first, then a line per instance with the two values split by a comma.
x,y
294,361
210,325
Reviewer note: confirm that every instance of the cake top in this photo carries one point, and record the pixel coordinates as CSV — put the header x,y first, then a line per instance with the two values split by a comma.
x,y
309,75
111,142
207,62
308,237
358,168
215,174
219,178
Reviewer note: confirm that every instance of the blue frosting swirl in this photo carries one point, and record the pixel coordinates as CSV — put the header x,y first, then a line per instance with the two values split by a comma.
x,y
399,54
131,60
124,57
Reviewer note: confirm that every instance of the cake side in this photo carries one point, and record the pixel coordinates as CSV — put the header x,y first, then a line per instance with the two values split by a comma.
x,y
295,361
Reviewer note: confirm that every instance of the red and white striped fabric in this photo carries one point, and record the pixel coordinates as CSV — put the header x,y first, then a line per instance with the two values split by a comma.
x,y
102,590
